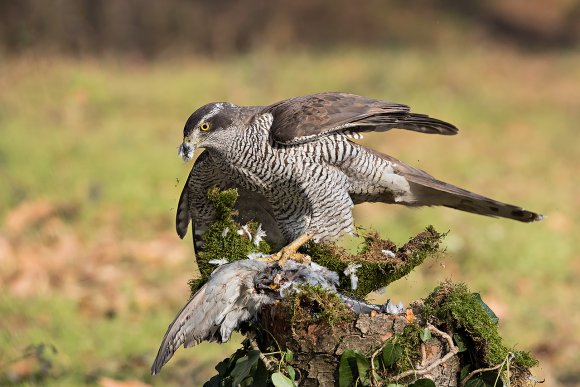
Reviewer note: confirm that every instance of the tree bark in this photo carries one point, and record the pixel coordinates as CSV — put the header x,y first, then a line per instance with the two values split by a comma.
x,y
317,347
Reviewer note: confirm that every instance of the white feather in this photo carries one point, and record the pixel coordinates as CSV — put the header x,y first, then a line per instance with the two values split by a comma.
x,y
259,235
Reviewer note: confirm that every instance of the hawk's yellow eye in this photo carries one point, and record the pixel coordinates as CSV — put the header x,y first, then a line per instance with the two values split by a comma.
x,y
204,126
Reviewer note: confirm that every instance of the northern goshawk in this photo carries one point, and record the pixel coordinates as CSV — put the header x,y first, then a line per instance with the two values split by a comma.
x,y
298,171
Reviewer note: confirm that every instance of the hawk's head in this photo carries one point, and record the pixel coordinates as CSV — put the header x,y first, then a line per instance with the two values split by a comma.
x,y
204,126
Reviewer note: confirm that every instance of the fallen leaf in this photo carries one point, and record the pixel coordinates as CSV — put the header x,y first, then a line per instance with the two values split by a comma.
x,y
108,382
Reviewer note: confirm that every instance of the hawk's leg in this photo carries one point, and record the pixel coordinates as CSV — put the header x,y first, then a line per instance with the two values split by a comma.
x,y
290,251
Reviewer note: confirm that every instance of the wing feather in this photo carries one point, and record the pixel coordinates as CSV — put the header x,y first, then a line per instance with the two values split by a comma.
x,y
215,311
298,120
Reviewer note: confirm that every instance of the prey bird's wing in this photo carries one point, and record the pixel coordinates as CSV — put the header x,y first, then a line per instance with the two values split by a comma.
x,y
302,119
215,311
177,332
195,207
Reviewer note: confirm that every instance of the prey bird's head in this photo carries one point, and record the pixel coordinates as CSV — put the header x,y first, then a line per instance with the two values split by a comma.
x,y
205,127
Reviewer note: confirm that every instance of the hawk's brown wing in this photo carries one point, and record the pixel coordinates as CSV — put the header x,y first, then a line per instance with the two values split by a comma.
x,y
298,120
195,207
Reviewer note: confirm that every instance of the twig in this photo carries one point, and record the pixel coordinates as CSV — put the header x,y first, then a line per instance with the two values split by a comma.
x,y
423,355
453,350
273,338
479,370
373,381
499,366
263,358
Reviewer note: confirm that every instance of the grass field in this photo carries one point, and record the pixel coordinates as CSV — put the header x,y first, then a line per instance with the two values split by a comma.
x,y
90,179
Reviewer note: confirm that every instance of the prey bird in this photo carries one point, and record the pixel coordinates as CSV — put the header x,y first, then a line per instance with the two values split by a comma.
x,y
236,292
298,171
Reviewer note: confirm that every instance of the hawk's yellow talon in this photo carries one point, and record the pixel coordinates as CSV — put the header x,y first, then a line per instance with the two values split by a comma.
x,y
290,252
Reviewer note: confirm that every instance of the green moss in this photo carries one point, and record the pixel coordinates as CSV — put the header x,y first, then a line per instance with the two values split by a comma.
x,y
376,269
411,344
314,305
195,284
219,243
460,311
224,202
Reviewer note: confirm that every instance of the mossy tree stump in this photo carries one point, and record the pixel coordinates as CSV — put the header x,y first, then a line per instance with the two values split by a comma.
x,y
450,337
318,347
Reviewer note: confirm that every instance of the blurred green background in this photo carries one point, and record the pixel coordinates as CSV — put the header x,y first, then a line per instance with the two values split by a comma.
x,y
93,98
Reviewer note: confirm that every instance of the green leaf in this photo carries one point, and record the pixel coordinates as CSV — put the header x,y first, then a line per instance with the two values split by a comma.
x,y
289,356
395,385
487,309
362,365
423,383
484,379
247,382
281,380
465,371
378,362
261,375
244,366
222,367
215,381
475,382
425,335
490,378
347,369
460,342
291,372
391,353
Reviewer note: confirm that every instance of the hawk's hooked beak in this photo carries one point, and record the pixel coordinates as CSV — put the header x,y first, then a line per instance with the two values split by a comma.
x,y
186,150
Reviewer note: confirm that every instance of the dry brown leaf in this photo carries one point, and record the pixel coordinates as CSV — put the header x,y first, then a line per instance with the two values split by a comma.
x,y
108,382
27,214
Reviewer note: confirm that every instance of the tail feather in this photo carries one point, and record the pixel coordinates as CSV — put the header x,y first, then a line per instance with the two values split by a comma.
x,y
430,191
425,190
